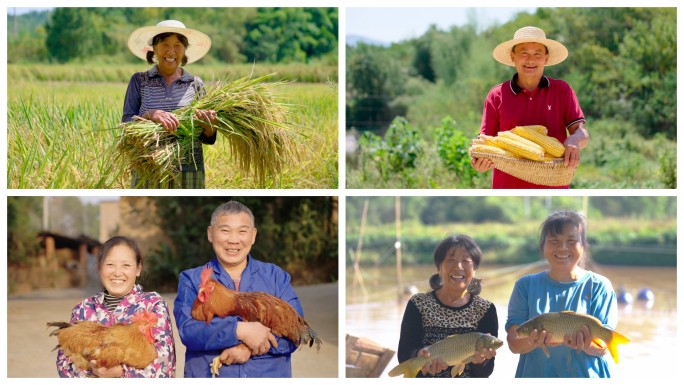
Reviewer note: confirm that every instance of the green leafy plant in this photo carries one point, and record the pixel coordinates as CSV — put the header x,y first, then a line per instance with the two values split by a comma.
x,y
397,152
452,148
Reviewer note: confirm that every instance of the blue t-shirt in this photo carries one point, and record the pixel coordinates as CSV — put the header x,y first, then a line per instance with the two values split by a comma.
x,y
205,341
537,294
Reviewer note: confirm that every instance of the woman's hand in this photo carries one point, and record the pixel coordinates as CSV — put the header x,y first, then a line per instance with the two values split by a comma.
x,y
113,372
207,119
483,355
581,340
433,366
168,120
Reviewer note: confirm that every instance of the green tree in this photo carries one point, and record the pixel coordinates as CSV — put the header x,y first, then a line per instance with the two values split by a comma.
x,y
297,233
290,34
23,224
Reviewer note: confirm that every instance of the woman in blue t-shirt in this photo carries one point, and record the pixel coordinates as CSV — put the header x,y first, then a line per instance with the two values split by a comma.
x,y
564,286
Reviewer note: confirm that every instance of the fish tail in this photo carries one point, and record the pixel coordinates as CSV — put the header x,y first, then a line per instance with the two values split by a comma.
x,y
408,368
615,339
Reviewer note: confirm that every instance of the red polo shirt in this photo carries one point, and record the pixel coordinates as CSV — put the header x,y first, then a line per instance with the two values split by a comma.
x,y
553,104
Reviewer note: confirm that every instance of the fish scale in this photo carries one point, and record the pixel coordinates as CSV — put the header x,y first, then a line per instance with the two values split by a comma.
x,y
456,350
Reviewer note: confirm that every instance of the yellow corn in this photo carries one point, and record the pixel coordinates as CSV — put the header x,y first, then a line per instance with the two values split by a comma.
x,y
519,145
549,143
539,128
486,139
548,157
487,149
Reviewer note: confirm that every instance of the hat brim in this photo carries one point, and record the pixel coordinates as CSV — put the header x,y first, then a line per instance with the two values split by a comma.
x,y
198,42
557,51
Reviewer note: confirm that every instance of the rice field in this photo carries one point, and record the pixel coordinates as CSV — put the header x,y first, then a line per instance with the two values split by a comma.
x,y
61,134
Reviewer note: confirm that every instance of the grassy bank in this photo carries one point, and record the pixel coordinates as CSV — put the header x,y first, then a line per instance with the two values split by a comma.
x,y
614,241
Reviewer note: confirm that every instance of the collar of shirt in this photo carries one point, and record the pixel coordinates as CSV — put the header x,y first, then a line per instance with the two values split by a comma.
x,y
222,276
516,89
185,77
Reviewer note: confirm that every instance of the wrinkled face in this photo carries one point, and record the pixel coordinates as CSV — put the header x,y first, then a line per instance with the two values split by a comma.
x,y
563,251
530,59
119,269
170,53
232,236
457,269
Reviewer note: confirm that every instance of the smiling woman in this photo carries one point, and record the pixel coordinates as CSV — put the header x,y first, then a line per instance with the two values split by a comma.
x,y
166,87
120,264
453,307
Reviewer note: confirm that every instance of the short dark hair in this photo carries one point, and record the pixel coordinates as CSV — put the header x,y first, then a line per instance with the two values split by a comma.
x,y
115,241
158,38
231,207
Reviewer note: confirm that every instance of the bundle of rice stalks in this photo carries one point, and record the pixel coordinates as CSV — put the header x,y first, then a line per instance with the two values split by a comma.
x,y
249,116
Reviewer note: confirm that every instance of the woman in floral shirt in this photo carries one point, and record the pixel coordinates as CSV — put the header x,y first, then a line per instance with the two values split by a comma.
x,y
119,264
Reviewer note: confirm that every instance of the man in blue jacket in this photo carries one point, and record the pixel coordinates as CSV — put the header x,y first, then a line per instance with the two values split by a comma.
x,y
247,349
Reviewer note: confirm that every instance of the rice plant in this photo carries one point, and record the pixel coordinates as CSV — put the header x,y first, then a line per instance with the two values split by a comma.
x,y
256,124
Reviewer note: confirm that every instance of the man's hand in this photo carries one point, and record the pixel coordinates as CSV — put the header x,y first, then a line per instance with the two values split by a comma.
x,y
578,139
238,354
481,164
256,336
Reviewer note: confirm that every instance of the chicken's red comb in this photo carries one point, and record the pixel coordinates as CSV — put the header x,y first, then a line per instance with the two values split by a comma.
x,y
206,275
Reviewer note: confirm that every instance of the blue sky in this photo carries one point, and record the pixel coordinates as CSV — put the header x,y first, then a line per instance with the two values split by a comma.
x,y
390,25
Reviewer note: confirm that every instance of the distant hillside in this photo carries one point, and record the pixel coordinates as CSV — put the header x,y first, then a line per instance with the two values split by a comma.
x,y
353,40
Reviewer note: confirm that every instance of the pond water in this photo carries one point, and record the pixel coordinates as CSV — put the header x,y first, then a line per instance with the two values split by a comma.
x,y
375,311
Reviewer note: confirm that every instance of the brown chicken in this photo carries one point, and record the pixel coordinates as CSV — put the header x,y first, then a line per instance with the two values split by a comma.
x,y
214,299
131,344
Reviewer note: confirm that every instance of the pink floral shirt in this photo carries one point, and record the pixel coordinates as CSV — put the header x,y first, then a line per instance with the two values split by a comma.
x,y
93,309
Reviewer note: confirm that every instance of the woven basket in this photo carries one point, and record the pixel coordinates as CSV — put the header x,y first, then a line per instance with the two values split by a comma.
x,y
547,173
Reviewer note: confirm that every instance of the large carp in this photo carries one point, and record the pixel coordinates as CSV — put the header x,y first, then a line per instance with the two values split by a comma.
x,y
456,350
560,324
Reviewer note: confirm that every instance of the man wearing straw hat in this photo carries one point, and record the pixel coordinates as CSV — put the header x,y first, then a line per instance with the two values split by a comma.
x,y
530,98
166,87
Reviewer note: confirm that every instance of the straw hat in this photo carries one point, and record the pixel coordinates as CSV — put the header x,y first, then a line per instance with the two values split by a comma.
x,y
140,40
557,51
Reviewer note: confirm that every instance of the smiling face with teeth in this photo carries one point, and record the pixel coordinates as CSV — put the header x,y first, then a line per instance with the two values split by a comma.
x,y
457,270
530,59
232,236
563,251
119,269
170,52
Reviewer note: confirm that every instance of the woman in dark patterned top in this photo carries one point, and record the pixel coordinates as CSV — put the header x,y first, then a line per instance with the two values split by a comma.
x,y
166,87
452,307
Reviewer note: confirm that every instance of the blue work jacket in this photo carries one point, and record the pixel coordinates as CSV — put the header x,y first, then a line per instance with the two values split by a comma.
x,y
205,341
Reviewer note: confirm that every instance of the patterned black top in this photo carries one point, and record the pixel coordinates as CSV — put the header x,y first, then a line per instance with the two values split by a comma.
x,y
428,320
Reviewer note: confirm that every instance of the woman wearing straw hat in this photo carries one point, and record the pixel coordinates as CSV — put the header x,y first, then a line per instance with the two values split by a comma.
x,y
530,98
165,87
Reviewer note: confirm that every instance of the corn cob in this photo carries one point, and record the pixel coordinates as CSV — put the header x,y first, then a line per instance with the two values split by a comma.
x,y
548,157
519,145
487,149
539,128
549,143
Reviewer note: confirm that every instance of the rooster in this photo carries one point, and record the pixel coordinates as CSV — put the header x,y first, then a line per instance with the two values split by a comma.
x,y
131,344
214,299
